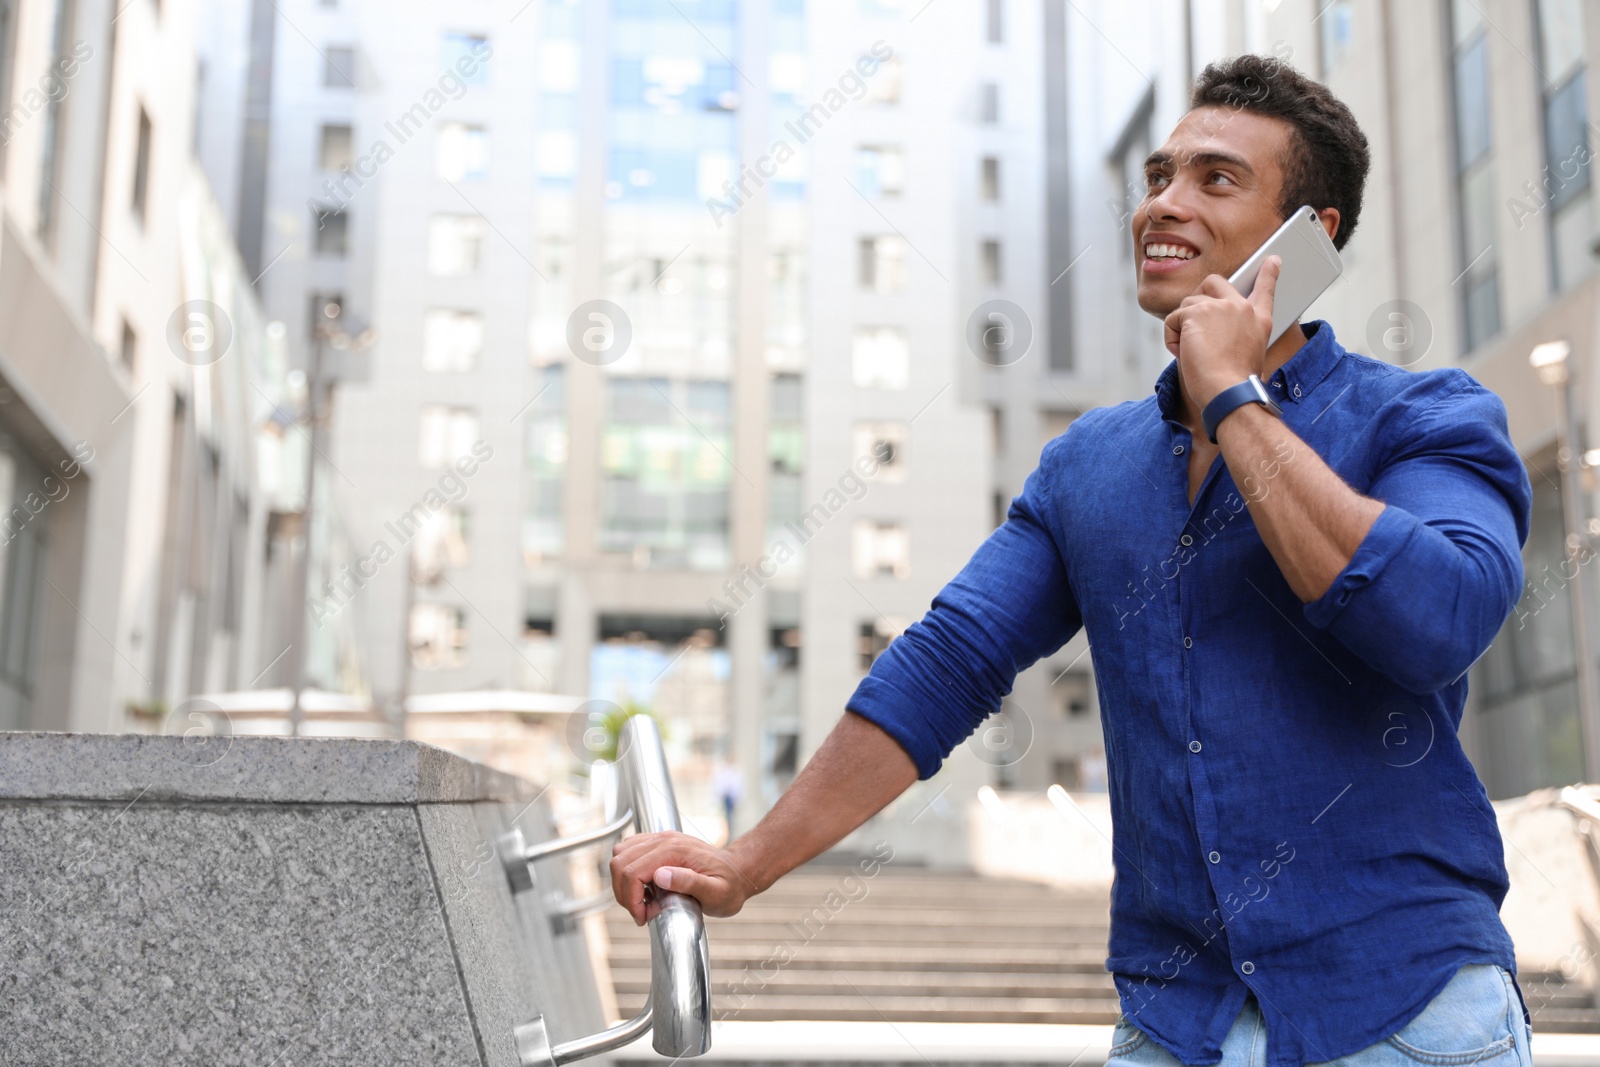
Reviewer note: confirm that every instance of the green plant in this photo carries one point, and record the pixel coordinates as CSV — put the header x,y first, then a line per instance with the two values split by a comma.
x,y
154,709
612,722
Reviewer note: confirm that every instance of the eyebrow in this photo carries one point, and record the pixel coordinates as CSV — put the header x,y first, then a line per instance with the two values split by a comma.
x,y
1209,158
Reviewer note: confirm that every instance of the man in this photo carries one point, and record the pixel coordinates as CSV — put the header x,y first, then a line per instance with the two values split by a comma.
x,y
1307,867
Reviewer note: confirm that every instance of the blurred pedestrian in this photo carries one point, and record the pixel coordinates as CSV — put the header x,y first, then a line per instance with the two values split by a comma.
x,y
727,785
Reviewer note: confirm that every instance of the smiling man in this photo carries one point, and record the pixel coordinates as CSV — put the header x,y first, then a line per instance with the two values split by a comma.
x,y
1281,618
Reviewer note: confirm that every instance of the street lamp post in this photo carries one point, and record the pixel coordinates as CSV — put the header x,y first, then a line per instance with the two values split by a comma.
x,y
1549,361
327,333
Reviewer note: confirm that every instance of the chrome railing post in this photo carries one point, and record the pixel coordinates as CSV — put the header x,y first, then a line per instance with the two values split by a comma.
x,y
679,1006
680,959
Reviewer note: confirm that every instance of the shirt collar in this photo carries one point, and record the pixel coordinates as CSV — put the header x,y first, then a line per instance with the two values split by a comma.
x,y
1290,383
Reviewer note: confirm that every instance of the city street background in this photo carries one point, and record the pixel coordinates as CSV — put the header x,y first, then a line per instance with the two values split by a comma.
x,y
484,373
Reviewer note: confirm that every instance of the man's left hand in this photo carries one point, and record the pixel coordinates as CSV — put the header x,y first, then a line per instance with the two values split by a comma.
x,y
1220,337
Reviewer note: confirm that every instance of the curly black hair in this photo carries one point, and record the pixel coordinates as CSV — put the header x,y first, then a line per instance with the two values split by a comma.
x,y
1328,155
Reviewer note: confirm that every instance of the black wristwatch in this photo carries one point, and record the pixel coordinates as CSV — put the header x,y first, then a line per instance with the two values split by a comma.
x,y
1249,391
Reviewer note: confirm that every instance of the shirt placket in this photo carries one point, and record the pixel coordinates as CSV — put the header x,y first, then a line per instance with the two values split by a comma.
x,y
1197,640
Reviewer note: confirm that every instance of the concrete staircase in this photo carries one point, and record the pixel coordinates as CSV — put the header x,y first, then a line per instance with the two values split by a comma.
x,y
829,943
918,946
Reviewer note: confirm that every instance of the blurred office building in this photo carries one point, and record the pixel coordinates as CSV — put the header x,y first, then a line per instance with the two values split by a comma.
x,y
1476,244
135,370
675,401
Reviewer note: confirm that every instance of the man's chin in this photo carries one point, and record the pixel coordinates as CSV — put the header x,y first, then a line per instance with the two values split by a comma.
x,y
1157,302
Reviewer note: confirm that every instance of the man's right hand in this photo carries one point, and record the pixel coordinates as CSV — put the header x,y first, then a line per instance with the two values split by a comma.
x,y
858,770
682,864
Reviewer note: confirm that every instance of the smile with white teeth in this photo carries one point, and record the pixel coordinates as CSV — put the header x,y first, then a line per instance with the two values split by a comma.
x,y
1155,251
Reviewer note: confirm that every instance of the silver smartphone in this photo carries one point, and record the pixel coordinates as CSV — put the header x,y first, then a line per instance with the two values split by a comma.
x,y
1310,264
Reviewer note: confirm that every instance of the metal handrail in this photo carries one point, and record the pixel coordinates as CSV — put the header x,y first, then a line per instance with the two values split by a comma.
x,y
566,911
518,857
679,1005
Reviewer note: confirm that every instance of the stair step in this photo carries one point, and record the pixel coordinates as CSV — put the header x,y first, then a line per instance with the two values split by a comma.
x,y
904,1009
919,946
874,983
773,933
919,957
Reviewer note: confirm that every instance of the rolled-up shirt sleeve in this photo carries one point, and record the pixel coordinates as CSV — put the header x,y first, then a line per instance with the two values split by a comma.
x,y
1010,605
1436,576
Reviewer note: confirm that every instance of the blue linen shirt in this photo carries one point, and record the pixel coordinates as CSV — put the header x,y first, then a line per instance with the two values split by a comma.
x,y
1293,814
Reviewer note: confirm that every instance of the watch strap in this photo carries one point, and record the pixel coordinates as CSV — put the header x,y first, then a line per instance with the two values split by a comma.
x,y
1235,396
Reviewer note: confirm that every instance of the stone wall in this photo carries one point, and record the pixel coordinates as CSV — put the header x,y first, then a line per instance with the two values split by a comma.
x,y
271,901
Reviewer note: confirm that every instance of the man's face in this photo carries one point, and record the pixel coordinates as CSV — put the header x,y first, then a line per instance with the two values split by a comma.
x,y
1213,193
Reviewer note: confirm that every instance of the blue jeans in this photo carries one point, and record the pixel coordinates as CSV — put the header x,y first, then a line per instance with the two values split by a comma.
x,y
1476,1019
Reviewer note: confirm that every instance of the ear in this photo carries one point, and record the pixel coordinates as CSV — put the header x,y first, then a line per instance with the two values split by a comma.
x,y
1329,217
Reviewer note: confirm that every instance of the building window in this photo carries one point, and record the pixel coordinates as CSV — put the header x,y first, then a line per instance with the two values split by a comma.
x,y
339,68
335,152
141,168
989,260
880,358
24,546
50,141
451,340
989,104
1336,26
880,170
437,636
989,178
462,152
874,635
543,533
440,542
1526,682
885,442
447,434
129,351
1479,283
1566,143
332,238
8,50
455,243
880,549
883,264
994,21
664,491
884,86
461,54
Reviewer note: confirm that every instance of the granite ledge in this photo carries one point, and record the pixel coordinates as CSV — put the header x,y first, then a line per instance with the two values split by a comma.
x,y
39,765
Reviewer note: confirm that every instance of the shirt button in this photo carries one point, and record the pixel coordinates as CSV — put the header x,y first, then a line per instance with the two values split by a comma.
x,y
1276,384
1194,746
1188,643
1215,857
1247,967
1297,390
1185,540
1177,450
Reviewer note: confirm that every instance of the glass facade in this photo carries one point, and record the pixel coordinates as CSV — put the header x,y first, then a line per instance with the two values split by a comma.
x,y
26,494
1476,204
1525,685
664,471
669,263
1566,141
545,464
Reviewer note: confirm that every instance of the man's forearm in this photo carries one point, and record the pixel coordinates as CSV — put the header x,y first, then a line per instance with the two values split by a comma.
x,y
857,771
1309,519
